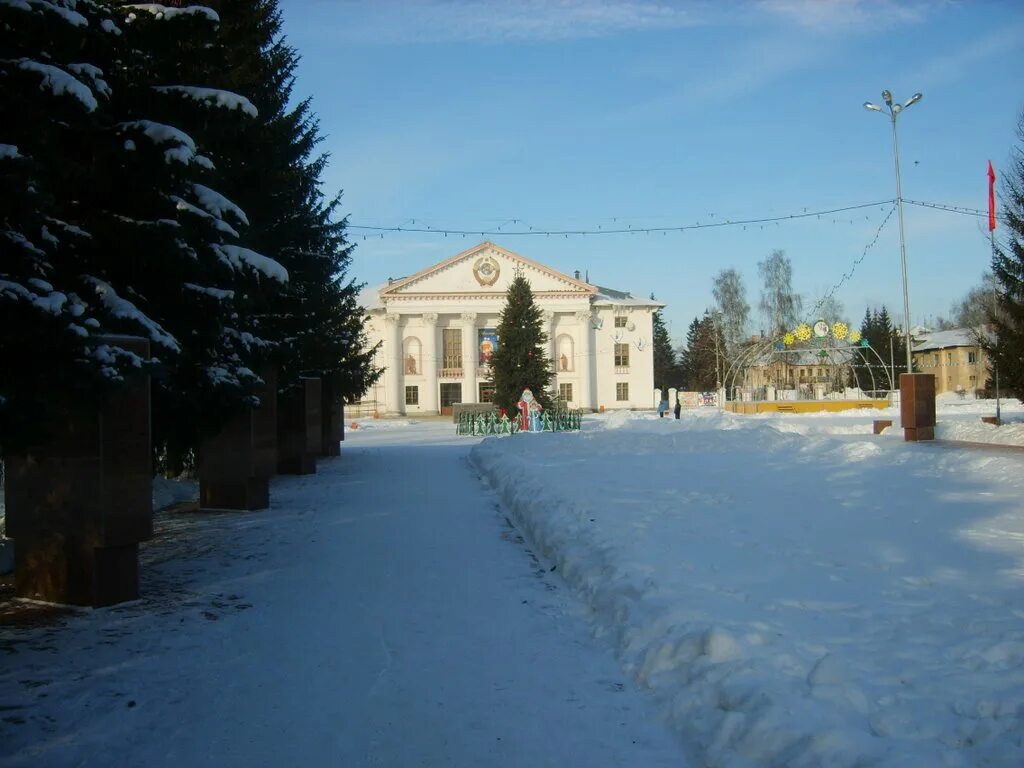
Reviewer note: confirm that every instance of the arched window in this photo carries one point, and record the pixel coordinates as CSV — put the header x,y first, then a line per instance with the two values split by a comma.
x,y
412,361
564,355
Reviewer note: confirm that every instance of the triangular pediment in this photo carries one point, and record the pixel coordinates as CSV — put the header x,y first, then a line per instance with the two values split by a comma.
x,y
485,269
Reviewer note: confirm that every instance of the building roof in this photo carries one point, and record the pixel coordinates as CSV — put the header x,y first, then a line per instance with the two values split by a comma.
x,y
370,299
606,296
804,356
955,337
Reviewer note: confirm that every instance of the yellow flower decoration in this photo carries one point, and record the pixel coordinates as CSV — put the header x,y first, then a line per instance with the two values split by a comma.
x,y
839,330
854,336
803,332
788,339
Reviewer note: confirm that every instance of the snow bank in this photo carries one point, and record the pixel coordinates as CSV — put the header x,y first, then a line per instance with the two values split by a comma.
x,y
791,600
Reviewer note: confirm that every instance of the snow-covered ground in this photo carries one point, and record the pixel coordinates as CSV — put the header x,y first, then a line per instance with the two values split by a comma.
x,y
381,613
794,590
790,590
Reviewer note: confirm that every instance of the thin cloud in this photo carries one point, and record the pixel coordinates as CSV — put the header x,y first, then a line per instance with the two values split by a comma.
x,y
443,21
846,15
953,65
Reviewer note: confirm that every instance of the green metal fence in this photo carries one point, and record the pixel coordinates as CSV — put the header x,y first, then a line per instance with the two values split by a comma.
x,y
493,424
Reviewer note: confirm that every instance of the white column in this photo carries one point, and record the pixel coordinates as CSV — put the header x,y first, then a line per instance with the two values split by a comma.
x,y
470,357
395,404
585,362
428,397
549,329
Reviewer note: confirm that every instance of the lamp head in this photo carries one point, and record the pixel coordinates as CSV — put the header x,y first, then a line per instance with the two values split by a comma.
x,y
872,107
913,100
887,97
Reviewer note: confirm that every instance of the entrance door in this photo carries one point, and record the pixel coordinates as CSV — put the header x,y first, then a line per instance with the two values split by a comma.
x,y
450,393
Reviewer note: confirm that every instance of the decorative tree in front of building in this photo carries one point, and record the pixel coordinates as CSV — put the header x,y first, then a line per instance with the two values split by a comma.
x,y
521,360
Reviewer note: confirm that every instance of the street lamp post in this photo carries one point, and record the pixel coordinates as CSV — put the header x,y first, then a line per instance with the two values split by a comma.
x,y
894,111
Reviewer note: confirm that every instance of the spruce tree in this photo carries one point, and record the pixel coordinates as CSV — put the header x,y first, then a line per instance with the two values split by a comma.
x,y
700,367
140,239
666,369
1007,351
274,173
520,362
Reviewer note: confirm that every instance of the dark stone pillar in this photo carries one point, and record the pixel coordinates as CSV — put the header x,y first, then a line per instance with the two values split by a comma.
x,y
299,431
78,506
330,415
917,406
236,464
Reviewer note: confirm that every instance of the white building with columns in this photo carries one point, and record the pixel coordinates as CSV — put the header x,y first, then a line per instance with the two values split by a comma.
x,y
438,330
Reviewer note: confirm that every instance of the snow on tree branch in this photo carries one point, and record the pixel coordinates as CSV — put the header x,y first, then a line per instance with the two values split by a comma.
x,y
67,14
9,152
125,310
59,82
220,225
217,204
216,293
235,256
163,12
95,74
214,97
53,302
161,133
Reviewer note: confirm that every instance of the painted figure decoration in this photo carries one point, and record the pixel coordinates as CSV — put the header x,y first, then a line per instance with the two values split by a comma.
x,y
529,412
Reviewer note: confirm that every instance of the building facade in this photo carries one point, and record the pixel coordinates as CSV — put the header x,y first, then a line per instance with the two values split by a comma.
x,y
438,330
956,359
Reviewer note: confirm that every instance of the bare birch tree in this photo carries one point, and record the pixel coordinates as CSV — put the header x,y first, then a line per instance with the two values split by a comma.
x,y
732,307
779,306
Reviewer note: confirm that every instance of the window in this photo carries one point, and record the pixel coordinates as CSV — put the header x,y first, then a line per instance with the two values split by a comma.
x,y
936,358
949,358
452,348
620,322
412,395
622,355
622,391
565,393
972,357
486,390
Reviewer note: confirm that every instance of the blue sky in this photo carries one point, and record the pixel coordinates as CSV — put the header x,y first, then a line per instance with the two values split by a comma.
x,y
590,115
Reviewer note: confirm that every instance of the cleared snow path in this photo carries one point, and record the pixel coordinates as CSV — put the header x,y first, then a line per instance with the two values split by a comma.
x,y
382,613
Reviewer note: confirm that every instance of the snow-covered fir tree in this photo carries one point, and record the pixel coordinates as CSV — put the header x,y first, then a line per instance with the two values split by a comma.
x,y
138,238
273,171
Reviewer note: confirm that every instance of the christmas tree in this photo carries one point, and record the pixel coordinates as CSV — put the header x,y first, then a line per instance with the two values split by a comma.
x,y
521,360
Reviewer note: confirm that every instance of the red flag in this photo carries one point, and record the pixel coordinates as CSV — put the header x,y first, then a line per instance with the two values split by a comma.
x,y
991,197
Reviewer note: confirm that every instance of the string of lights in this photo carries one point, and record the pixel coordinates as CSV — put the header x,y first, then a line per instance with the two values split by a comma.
x,y
521,229
962,210
420,228
853,267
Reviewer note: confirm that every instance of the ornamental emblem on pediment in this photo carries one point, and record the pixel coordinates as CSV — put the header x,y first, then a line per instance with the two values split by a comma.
x,y
486,270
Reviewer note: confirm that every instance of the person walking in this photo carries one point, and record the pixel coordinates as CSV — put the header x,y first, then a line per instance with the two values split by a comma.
x,y
678,408
662,407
